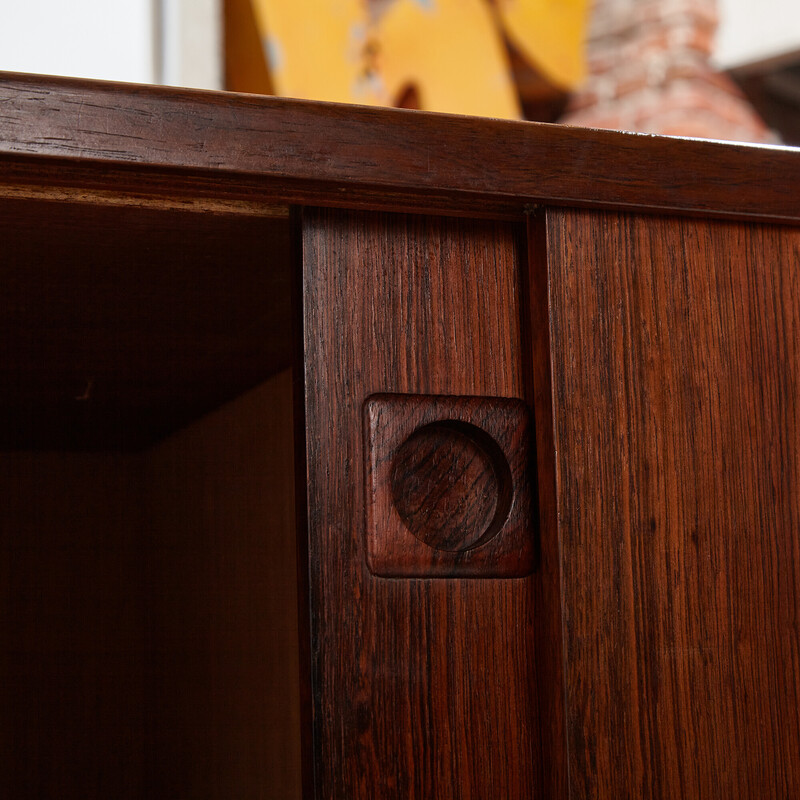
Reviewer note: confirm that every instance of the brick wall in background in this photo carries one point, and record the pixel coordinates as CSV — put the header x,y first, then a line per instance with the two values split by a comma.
x,y
649,71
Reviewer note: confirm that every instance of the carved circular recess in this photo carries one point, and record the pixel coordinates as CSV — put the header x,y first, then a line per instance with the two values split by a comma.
x,y
451,485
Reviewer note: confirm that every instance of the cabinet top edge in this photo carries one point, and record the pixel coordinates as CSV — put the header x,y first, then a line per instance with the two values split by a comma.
x,y
300,151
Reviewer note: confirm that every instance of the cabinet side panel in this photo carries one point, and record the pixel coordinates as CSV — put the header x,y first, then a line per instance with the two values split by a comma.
x,y
676,356
223,672
424,688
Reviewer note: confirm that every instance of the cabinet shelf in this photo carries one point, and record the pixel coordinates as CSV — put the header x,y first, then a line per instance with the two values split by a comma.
x,y
122,324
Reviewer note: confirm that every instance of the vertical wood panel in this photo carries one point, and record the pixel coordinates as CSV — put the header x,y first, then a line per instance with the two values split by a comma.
x,y
423,688
549,641
72,627
675,347
224,668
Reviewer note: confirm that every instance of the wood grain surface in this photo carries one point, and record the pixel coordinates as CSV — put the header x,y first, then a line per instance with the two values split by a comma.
x,y
447,491
448,487
422,688
654,653
65,131
223,672
547,580
675,351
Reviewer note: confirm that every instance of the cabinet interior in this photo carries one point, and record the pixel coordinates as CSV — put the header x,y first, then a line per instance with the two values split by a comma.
x,y
147,539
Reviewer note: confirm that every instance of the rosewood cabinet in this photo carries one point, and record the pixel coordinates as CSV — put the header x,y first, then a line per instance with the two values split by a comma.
x,y
354,453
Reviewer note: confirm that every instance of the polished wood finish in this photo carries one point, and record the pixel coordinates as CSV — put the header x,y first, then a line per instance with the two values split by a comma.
x,y
174,142
676,353
448,486
119,324
153,272
547,585
422,688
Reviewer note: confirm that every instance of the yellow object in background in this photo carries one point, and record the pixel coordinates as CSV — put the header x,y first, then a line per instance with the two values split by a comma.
x,y
451,52
549,34
314,48
448,55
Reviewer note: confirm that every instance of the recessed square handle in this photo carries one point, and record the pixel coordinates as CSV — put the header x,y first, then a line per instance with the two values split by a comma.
x,y
448,486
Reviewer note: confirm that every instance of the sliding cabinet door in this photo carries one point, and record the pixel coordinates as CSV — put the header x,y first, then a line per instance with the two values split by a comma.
x,y
422,656
675,351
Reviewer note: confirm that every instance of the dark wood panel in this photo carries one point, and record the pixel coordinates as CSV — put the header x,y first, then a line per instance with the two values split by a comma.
x,y
119,324
148,626
223,675
676,358
337,154
423,688
73,698
549,642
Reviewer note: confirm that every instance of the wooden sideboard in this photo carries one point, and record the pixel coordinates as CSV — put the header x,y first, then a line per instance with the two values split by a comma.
x,y
354,453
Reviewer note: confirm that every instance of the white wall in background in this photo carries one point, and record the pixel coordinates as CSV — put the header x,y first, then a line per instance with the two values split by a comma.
x,y
177,42
108,39
753,31
191,35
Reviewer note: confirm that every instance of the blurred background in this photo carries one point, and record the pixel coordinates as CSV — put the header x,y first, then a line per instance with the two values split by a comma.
x,y
722,69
